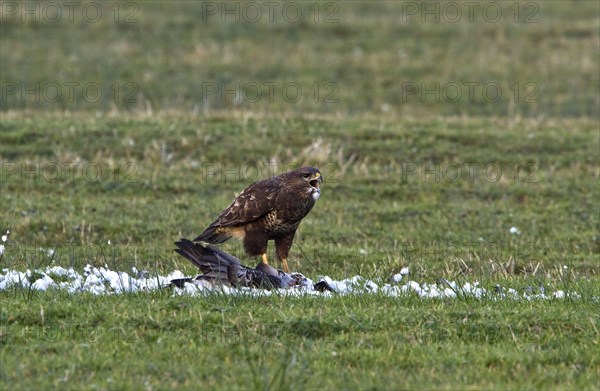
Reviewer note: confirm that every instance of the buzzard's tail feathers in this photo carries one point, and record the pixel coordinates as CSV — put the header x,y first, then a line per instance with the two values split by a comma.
x,y
211,236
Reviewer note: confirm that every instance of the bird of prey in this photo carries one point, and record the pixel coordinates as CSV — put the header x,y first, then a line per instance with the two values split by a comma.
x,y
270,209
221,268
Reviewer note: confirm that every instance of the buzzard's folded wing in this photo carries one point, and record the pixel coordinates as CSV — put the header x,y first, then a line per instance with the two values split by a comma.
x,y
255,201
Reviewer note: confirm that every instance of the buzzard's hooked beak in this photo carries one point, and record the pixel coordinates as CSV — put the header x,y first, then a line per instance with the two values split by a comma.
x,y
316,180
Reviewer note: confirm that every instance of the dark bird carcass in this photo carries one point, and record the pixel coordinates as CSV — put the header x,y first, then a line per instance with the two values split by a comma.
x,y
221,268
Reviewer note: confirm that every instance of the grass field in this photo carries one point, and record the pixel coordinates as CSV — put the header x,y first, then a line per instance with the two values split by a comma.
x,y
496,191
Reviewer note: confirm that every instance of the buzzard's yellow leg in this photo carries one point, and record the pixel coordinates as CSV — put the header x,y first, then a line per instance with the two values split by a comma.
x,y
284,265
264,259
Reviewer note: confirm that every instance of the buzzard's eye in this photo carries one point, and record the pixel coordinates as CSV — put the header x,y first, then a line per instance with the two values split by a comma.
x,y
305,175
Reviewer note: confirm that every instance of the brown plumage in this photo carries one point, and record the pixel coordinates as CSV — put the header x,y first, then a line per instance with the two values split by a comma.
x,y
271,209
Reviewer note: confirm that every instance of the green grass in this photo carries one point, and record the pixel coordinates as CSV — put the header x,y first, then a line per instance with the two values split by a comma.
x,y
372,219
362,60
378,194
155,340
435,186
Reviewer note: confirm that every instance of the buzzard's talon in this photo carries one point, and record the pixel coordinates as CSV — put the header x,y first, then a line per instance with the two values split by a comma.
x,y
284,265
264,259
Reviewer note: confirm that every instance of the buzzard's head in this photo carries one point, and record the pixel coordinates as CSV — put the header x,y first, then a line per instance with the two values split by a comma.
x,y
312,178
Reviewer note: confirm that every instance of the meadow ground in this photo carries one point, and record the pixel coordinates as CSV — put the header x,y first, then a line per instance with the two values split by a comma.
x,y
497,191
375,217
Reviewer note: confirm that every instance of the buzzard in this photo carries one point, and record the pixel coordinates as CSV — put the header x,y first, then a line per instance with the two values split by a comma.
x,y
220,268
270,209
